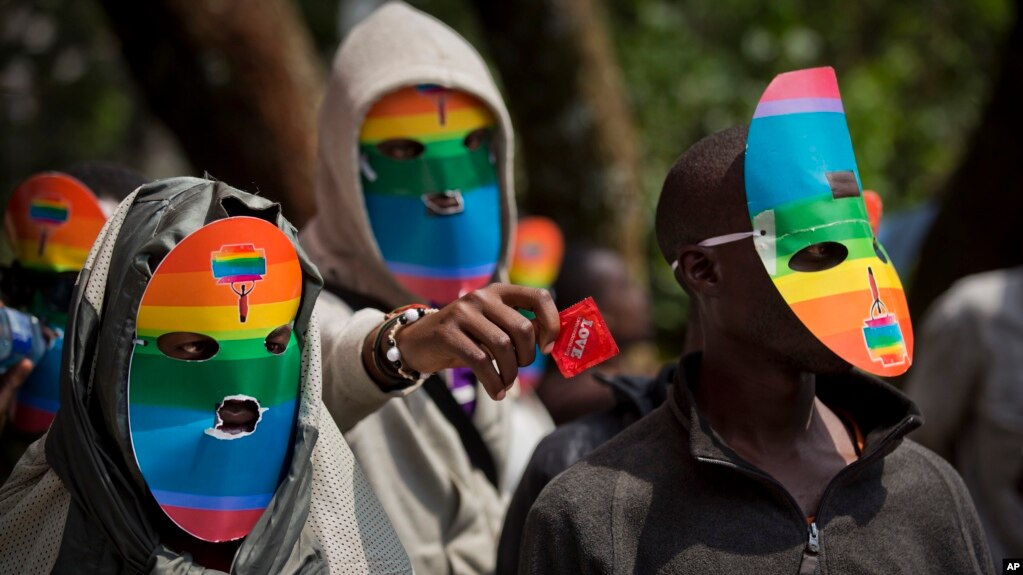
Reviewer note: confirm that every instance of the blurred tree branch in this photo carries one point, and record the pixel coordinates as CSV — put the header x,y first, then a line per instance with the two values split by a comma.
x,y
564,89
978,224
237,81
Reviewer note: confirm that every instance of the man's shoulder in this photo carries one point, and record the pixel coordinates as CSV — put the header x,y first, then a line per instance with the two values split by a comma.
x,y
923,481
330,307
984,294
571,442
640,453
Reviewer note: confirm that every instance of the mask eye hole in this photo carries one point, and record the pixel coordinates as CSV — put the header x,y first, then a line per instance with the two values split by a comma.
x,y
401,149
187,346
819,257
476,138
277,342
879,252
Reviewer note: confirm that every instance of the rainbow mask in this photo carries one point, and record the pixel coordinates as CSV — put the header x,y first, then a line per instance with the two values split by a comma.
x,y
436,211
229,286
53,219
803,188
539,248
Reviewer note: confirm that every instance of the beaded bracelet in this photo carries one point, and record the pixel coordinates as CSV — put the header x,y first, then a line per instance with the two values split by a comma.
x,y
406,316
395,380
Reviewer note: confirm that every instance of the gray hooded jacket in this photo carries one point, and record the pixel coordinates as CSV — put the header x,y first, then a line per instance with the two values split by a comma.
x,y
446,512
77,502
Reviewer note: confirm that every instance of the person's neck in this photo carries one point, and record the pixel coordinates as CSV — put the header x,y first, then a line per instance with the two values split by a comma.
x,y
752,399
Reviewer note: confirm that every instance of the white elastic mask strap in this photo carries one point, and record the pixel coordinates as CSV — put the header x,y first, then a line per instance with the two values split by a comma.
x,y
729,238
725,239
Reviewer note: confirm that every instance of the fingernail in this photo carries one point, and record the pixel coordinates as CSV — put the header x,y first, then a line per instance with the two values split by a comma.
x,y
500,395
547,349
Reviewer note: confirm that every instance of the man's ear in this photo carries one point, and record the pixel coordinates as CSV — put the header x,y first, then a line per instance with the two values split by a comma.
x,y
698,270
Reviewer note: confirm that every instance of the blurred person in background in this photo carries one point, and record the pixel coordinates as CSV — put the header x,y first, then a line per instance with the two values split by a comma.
x,y
602,273
968,382
535,262
51,220
416,206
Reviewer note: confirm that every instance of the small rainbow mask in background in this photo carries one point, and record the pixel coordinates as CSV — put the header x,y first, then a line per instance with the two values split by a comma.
x,y
803,188
536,260
234,283
53,219
435,211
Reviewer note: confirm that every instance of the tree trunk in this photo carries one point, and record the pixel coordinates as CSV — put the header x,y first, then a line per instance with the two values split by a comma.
x,y
575,130
978,225
237,81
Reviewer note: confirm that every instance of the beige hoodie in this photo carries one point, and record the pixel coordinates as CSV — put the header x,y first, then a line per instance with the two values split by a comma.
x,y
447,515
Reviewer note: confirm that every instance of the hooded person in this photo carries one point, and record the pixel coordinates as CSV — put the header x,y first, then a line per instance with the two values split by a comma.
x,y
51,221
415,204
191,433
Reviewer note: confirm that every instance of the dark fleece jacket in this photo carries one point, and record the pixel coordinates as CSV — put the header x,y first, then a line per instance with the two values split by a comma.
x,y
667,495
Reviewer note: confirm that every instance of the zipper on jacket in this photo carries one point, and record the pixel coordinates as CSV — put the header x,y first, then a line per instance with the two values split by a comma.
x,y
808,565
813,541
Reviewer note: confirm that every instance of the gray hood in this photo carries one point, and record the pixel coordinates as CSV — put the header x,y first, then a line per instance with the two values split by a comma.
x,y
395,47
112,521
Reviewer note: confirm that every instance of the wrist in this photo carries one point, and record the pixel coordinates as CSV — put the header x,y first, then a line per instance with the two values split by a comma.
x,y
373,350
381,355
393,357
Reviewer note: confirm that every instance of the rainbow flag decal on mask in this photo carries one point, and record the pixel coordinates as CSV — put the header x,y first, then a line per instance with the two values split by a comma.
x,y
881,330
212,399
52,220
239,266
47,214
804,196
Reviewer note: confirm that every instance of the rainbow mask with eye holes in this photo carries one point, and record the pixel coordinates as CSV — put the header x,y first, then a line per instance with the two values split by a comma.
x,y
214,380
804,197
431,190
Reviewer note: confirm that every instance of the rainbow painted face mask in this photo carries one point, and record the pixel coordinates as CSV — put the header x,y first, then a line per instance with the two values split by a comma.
x,y
431,190
214,380
536,260
52,220
811,228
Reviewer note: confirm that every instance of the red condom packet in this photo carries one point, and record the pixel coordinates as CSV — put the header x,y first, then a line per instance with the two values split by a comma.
x,y
584,340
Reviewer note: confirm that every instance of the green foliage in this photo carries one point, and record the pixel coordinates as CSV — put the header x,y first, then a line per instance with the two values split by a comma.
x,y
64,94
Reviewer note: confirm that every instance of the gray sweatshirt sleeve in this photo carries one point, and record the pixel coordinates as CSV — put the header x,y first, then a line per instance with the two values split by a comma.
x,y
348,391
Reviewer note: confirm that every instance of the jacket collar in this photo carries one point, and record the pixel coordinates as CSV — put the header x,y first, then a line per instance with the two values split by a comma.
x,y
883,414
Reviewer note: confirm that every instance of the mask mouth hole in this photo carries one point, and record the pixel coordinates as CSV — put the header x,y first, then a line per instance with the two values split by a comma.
x,y
818,257
446,203
236,417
